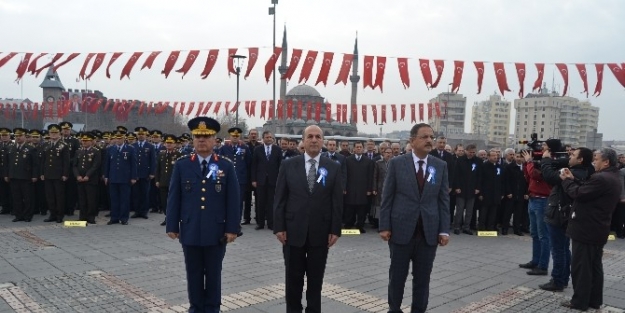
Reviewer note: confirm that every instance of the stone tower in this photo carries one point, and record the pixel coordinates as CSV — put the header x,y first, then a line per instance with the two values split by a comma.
x,y
282,70
52,92
354,78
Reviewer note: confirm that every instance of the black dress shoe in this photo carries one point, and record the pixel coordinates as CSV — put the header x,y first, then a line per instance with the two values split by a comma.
x,y
259,227
568,304
112,222
49,219
551,286
18,219
538,272
144,216
239,234
362,231
135,216
107,215
245,223
124,222
59,220
91,222
468,232
28,219
518,233
163,223
457,231
528,265
3,212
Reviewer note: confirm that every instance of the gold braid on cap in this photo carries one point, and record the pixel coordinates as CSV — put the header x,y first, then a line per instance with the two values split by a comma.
x,y
203,130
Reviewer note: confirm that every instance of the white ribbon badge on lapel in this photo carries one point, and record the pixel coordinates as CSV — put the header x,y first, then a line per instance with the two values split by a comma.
x,y
213,169
473,167
431,178
498,171
322,176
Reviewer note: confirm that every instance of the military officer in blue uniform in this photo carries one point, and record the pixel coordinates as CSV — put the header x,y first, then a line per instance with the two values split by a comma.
x,y
120,173
186,147
146,167
203,212
239,153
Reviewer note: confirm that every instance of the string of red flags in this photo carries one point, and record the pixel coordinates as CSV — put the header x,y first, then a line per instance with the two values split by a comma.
x,y
431,70
290,109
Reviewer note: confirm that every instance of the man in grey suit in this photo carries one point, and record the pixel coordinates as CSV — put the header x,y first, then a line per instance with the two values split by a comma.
x,y
414,217
307,219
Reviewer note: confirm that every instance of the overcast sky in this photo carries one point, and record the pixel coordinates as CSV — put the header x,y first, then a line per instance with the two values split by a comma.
x,y
529,31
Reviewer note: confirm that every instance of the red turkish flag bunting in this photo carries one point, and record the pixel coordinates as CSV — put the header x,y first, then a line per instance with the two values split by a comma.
x,y
540,67
188,63
141,107
458,71
263,108
440,65
311,56
403,112
247,108
339,109
207,108
344,118
364,114
107,105
150,60
35,111
7,58
374,110
21,68
211,59
39,70
295,57
114,58
394,112
599,86
99,58
318,112
346,65
520,72
199,109
69,58
424,64
130,64
84,65
217,107
309,116
367,76
421,114
171,61
402,64
299,109
379,74
251,61
271,109
253,108
227,107
32,67
289,109
429,111
500,74
271,63
564,71
581,68
230,64
437,107
479,66
325,68
619,72
280,110
354,114
191,107
329,112
173,112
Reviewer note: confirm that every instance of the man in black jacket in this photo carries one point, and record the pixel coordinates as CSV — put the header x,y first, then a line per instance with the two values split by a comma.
x,y
491,192
466,184
589,226
441,153
558,209
265,165
516,196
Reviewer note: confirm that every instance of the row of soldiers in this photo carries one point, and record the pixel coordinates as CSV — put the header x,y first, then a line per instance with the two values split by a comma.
x,y
118,170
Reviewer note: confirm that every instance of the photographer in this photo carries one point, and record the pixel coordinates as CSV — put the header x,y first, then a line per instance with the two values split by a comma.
x,y
539,190
559,209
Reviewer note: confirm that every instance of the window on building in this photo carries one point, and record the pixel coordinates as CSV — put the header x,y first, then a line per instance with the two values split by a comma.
x,y
525,123
542,130
543,115
542,123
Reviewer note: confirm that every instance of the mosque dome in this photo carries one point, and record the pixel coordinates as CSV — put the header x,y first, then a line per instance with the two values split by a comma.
x,y
303,90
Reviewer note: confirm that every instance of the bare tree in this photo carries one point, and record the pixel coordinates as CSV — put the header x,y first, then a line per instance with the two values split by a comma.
x,y
227,121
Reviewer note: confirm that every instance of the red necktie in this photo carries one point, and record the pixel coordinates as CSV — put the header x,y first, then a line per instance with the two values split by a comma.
x,y
420,176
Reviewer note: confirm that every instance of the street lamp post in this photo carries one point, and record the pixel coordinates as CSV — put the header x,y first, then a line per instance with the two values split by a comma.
x,y
272,11
238,59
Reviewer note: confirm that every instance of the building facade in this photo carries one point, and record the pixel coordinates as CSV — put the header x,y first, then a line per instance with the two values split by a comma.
x,y
492,118
551,116
453,111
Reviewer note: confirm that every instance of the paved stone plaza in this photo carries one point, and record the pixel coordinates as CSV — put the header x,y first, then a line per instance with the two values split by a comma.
x,y
49,268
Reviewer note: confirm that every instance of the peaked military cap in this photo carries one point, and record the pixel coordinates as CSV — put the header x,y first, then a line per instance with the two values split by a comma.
x,y
54,128
66,125
203,125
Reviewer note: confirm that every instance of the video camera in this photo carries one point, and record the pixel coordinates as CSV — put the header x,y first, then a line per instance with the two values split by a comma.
x,y
536,146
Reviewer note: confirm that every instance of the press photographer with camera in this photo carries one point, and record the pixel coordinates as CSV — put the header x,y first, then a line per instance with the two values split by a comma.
x,y
539,190
559,208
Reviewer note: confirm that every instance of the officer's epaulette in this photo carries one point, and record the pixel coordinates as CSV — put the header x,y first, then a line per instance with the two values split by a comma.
x,y
185,156
225,158
163,152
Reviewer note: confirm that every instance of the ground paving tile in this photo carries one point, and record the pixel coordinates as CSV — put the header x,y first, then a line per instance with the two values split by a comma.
x,y
49,268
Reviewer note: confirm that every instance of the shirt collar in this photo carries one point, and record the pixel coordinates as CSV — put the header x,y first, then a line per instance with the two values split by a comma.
x,y
307,157
200,159
416,159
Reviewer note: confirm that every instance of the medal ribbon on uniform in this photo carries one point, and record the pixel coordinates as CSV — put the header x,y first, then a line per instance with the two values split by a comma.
x,y
323,173
431,177
213,169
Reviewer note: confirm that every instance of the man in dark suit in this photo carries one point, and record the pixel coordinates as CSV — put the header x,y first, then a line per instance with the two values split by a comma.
x,y
87,172
252,143
336,157
203,212
146,166
441,153
307,220
265,167
370,153
516,194
358,188
491,192
414,217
